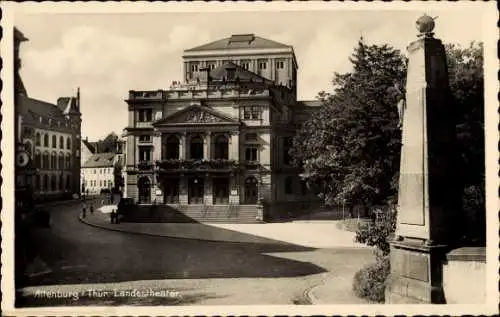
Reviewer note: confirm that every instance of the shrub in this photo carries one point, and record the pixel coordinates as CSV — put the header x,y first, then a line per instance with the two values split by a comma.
x,y
370,282
375,233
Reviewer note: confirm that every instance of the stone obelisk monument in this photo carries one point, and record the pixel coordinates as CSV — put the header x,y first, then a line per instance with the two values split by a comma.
x,y
429,217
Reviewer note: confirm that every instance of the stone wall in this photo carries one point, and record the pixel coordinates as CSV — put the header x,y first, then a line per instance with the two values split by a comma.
x,y
464,276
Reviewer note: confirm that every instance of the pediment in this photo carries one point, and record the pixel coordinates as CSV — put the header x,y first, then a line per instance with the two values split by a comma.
x,y
195,114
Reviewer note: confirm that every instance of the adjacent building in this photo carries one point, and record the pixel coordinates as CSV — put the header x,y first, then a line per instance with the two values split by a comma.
x,y
98,173
50,133
221,135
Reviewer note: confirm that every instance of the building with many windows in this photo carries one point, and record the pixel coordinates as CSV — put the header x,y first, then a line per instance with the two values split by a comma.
x,y
221,136
98,173
51,137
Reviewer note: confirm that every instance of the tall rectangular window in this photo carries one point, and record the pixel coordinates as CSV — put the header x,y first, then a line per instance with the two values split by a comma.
x,y
251,154
280,64
194,67
245,65
252,113
144,154
145,115
262,65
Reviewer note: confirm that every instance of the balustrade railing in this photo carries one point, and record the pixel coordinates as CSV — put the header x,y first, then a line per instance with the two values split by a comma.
x,y
192,164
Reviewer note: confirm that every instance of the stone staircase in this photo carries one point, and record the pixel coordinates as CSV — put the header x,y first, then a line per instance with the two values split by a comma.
x,y
194,213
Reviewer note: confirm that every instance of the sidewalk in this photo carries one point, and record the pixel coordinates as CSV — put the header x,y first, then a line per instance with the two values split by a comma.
x,y
323,234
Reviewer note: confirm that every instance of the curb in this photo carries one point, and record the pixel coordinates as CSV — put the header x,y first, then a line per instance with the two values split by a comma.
x,y
308,293
156,235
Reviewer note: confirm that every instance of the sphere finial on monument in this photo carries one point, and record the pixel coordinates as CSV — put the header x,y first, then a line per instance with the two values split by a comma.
x,y
425,25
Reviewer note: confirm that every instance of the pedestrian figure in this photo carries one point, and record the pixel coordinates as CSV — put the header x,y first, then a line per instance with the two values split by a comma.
x,y
84,210
91,209
111,198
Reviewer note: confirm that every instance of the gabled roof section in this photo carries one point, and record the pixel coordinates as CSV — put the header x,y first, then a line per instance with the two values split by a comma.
x,y
89,145
194,115
32,106
239,41
230,71
100,160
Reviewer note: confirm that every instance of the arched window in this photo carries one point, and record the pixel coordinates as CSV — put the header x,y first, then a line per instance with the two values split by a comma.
x,y
68,182
68,161
61,182
288,185
196,147
53,161
61,142
45,161
46,183
221,148
38,139
53,182
172,148
68,143
61,160
38,159
54,141
251,190
46,140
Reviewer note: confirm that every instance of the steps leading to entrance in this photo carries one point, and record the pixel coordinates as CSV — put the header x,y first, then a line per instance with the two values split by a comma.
x,y
193,213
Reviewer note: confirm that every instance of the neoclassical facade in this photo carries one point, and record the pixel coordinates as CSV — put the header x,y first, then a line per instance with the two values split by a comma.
x,y
51,137
221,135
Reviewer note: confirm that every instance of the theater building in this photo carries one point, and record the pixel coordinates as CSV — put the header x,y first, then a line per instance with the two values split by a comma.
x,y
220,137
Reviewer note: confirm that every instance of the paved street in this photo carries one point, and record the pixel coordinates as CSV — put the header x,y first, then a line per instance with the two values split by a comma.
x,y
84,258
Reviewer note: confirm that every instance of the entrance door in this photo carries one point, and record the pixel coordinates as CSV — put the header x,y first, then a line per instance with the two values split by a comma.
x,y
220,191
251,191
196,190
171,190
144,185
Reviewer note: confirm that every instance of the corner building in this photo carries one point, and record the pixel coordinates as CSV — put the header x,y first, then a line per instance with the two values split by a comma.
x,y
50,133
219,138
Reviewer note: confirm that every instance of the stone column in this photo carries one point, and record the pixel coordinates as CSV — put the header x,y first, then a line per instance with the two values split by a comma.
x,y
207,146
234,144
234,190
182,147
428,198
208,199
156,146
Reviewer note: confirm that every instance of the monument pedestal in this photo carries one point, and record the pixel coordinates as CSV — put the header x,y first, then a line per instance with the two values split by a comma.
x,y
416,273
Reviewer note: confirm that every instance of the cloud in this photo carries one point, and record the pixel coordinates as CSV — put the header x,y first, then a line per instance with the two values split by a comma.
x,y
105,65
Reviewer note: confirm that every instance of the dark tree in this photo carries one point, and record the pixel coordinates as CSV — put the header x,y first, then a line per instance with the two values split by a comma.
x,y
350,148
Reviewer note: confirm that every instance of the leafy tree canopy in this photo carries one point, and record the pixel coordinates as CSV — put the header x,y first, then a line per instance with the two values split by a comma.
x,y
350,148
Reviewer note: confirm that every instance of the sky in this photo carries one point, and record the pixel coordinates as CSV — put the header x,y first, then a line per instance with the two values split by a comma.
x,y
106,55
